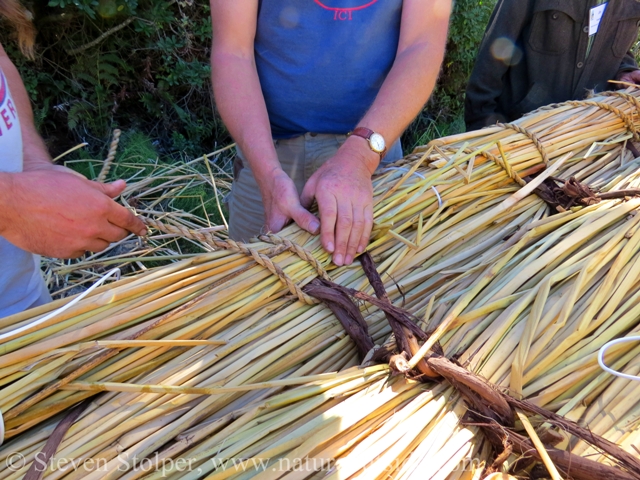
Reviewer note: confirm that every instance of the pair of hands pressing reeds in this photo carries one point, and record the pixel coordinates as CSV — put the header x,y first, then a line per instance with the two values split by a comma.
x,y
51,210
343,191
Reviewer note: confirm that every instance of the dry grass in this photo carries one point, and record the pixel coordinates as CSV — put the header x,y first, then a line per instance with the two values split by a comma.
x,y
187,194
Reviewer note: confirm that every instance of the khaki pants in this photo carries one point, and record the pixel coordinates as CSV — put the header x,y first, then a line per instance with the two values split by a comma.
x,y
300,157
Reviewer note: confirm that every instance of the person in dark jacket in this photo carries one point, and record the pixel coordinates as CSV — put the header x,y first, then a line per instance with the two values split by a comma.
x,y
537,52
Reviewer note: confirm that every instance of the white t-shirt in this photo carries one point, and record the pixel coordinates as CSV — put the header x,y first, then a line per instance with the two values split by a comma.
x,y
21,283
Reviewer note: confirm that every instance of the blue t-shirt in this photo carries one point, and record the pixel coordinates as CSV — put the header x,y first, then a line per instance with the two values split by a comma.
x,y
321,62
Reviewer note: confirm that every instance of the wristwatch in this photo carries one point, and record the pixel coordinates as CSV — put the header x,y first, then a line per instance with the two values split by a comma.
x,y
376,141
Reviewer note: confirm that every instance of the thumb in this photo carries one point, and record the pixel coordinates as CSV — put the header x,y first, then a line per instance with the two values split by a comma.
x,y
275,223
112,189
306,220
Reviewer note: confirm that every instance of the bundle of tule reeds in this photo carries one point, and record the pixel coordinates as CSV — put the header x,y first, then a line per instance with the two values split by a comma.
x,y
223,357
188,193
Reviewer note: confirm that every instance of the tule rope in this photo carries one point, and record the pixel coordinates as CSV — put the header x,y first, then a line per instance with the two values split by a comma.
x,y
531,136
501,163
626,96
292,247
609,108
209,239
106,167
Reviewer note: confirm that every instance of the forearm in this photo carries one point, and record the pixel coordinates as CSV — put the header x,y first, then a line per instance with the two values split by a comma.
x,y
34,149
242,107
404,92
413,74
5,196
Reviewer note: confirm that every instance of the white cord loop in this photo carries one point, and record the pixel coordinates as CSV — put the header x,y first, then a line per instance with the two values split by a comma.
x,y
437,195
610,370
46,318
402,169
1,428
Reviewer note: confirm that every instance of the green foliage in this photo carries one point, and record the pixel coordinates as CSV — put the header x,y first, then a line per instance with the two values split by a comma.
x,y
128,64
468,23
137,159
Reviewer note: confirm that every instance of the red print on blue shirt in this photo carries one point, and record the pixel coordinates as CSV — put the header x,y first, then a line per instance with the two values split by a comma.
x,y
344,12
7,111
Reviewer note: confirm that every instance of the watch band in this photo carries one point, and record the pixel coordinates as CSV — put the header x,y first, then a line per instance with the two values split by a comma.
x,y
366,133
363,132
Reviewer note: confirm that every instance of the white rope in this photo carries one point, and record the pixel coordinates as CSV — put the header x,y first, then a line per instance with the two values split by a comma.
x,y
1,429
610,370
46,318
402,169
437,195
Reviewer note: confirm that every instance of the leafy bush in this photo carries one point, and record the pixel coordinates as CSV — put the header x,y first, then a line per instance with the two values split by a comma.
x,y
143,65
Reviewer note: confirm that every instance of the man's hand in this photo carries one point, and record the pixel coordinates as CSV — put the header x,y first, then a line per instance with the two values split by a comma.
x,y
282,204
55,213
46,165
632,76
49,209
342,187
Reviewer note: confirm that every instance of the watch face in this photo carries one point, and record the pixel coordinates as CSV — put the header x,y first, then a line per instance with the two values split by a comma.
x,y
377,142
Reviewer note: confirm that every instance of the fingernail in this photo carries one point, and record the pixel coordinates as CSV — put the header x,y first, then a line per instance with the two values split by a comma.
x,y
337,259
315,227
330,247
348,260
143,232
360,248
